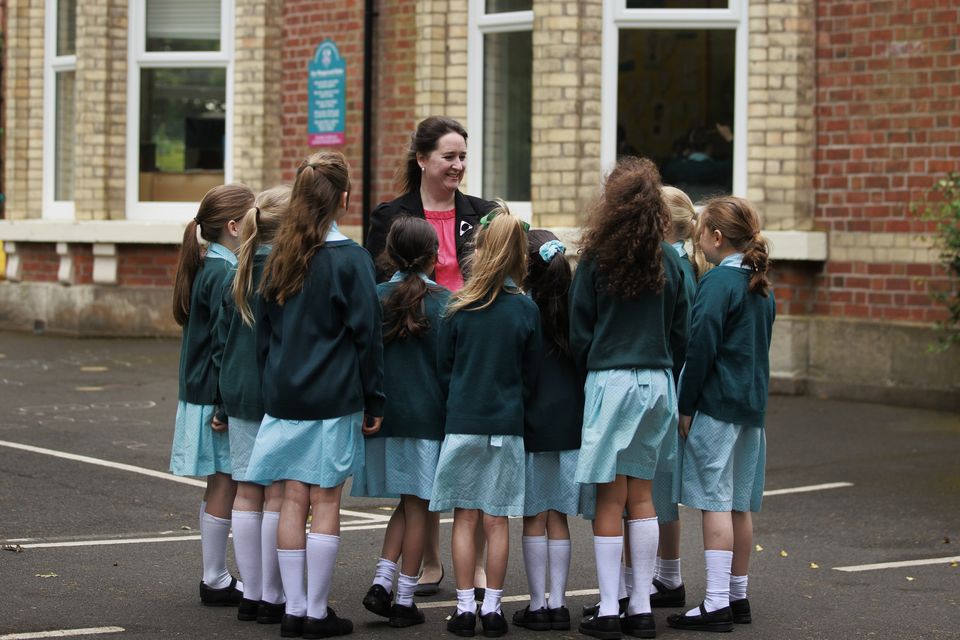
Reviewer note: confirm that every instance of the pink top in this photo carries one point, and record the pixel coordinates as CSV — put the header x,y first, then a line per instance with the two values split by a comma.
x,y
448,269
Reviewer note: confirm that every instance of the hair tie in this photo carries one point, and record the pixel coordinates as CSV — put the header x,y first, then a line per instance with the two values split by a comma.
x,y
197,221
257,214
551,248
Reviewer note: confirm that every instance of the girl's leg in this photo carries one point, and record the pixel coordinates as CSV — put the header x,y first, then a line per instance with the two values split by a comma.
x,y
497,532
479,544
464,556
644,534
323,543
215,529
432,567
291,545
718,555
272,584
668,555
558,554
535,558
247,527
742,546
386,571
415,517
608,542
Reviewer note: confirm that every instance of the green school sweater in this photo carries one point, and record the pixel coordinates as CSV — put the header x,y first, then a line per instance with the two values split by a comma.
x,y
554,414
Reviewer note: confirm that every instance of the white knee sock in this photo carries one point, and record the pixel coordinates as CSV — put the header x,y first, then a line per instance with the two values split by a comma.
x,y
385,574
622,589
203,510
466,602
292,563
535,562
644,537
213,542
406,585
668,572
608,550
718,581
272,589
491,601
627,577
321,560
738,587
559,555
246,547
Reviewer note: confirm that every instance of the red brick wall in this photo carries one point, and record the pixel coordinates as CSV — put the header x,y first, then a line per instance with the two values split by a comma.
x,y
39,261
140,265
888,126
82,263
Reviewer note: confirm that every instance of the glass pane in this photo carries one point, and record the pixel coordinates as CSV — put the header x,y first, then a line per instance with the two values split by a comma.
x,y
503,6
183,25
182,115
675,105
677,4
507,105
66,27
65,135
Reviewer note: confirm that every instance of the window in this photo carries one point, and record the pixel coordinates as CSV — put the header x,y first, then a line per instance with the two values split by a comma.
x,y
59,108
674,90
179,109
500,98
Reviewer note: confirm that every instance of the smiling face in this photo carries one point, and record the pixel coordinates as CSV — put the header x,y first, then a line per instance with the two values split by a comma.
x,y
444,166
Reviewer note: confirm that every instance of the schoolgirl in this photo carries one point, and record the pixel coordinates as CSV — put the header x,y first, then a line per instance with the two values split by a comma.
x,y
255,509
201,446
319,345
489,352
401,458
628,329
552,423
723,399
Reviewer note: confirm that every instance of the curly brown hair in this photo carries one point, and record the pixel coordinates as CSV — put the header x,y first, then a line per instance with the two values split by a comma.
x,y
626,227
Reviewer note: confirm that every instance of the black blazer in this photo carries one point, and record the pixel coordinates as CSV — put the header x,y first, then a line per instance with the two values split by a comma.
x,y
469,212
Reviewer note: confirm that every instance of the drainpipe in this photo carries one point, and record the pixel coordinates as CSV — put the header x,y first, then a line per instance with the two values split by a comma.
x,y
369,17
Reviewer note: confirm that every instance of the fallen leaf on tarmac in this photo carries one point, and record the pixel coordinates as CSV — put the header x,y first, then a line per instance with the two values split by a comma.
x,y
910,579
88,389
808,597
46,575
94,369
185,527
18,549
952,564
946,541
783,554
758,548
814,565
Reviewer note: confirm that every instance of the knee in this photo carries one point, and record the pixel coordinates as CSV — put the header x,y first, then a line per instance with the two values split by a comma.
x,y
493,525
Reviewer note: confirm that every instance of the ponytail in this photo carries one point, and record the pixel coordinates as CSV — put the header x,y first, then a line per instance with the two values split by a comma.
x,y
187,266
411,249
756,255
243,280
739,223
548,282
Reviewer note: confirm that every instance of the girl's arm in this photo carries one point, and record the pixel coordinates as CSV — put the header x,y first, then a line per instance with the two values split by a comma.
x,y
583,312
680,328
446,347
706,332
365,322
532,357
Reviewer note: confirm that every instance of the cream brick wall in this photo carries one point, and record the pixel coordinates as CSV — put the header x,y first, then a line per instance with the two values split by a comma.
x,y
849,246
781,97
441,72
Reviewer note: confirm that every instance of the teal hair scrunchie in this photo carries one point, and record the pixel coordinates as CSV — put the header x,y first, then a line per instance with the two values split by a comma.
x,y
551,248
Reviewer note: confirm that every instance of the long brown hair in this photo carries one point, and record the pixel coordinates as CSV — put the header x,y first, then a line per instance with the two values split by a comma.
x,y
219,206
314,203
548,282
501,252
259,227
424,140
739,223
412,247
625,229
683,218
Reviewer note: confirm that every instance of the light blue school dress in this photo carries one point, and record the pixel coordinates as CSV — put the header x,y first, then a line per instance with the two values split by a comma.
x,y
480,472
549,485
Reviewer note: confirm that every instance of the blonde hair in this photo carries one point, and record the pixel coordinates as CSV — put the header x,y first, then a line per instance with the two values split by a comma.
x,y
259,227
683,221
501,252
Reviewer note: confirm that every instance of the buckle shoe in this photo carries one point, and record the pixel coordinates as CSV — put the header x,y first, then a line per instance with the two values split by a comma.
x,y
228,596
665,597
603,627
377,601
720,620
559,619
403,616
640,625
494,624
538,620
326,627
741,611
269,613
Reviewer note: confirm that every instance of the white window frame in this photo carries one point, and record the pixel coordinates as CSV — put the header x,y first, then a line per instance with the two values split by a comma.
x,y
479,24
139,58
53,64
616,17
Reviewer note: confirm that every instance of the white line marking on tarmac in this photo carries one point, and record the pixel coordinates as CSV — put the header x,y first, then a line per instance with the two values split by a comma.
x,y
897,565
523,598
62,633
812,487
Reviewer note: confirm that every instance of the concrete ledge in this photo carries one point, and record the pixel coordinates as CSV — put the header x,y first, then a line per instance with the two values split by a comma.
x,y
94,231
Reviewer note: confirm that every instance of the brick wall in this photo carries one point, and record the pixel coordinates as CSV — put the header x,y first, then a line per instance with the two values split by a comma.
x,y
146,265
39,262
82,263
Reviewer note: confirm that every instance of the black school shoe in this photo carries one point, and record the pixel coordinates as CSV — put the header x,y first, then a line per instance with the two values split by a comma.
x,y
401,616
228,596
327,627
641,625
269,613
594,610
494,624
559,619
665,597
463,624
741,611
377,601
538,620
291,626
720,620
247,611
603,627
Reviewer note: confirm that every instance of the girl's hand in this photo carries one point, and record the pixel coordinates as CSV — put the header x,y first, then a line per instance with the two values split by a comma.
x,y
684,426
218,425
370,425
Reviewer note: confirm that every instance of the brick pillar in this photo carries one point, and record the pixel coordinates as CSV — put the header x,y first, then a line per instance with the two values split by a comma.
x,y
781,129
441,85
565,162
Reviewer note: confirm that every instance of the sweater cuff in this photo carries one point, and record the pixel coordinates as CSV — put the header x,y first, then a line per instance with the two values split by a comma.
x,y
373,406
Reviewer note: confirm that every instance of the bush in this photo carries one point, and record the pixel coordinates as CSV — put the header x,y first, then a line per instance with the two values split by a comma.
x,y
943,209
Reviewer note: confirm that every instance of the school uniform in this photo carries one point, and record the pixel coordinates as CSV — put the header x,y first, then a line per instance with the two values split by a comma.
x,y
197,449
551,438
239,372
724,387
321,357
488,362
401,458
629,348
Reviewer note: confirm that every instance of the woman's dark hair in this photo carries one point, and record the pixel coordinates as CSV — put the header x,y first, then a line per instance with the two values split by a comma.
x,y
626,227
739,223
423,141
412,247
548,283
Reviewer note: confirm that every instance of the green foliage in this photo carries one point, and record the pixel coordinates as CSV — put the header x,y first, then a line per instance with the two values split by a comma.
x,y
943,209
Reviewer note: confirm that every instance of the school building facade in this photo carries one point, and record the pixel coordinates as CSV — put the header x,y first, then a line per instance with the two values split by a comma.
x,y
119,114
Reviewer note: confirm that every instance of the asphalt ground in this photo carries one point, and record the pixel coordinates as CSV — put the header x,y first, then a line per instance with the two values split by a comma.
x,y
88,546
